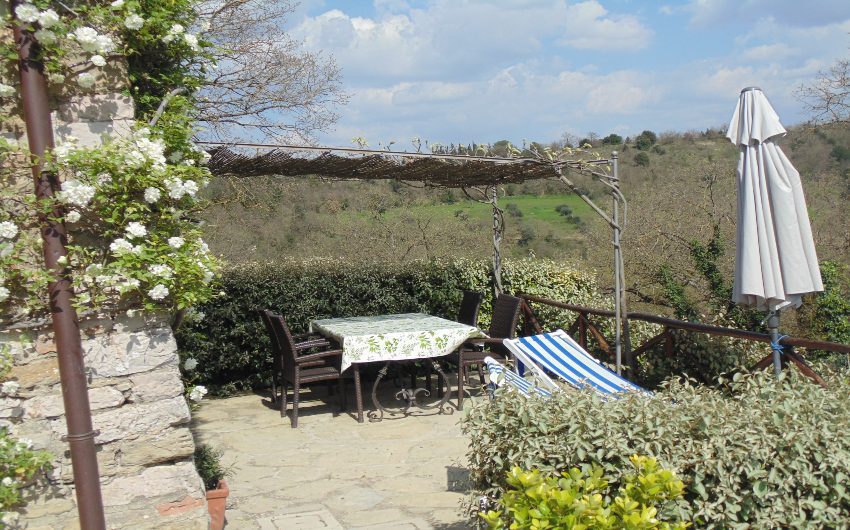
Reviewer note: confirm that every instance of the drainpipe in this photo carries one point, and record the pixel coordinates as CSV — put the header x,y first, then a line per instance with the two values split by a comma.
x,y
66,329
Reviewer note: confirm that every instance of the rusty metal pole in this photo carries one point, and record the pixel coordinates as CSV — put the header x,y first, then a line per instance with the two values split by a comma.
x,y
66,328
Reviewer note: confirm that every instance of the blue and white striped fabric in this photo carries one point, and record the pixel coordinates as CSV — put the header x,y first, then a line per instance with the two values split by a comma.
x,y
500,375
557,353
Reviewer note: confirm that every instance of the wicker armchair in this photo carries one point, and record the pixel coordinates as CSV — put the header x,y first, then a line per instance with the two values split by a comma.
x,y
296,367
502,326
316,341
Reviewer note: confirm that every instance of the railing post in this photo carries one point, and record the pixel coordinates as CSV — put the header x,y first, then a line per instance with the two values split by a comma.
x,y
582,330
668,342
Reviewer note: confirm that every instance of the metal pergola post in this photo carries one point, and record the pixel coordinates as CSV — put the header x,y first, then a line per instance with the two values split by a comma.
x,y
66,329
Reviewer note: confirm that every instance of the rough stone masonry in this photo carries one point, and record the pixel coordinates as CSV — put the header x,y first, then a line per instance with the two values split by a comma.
x,y
144,444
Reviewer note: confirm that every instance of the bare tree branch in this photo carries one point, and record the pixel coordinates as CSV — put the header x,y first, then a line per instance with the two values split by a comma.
x,y
265,85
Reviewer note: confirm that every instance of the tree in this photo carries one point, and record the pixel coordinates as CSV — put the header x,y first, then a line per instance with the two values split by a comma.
x,y
613,139
828,98
264,84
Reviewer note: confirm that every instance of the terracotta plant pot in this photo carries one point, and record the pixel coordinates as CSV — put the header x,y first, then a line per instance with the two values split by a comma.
x,y
216,500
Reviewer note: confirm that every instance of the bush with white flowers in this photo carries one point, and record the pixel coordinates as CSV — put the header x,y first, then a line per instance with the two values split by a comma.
x,y
128,205
20,464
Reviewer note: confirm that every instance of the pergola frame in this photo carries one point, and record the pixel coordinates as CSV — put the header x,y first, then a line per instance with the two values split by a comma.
x,y
444,170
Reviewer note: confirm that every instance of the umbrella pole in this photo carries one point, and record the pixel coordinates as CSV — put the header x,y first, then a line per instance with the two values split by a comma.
x,y
773,329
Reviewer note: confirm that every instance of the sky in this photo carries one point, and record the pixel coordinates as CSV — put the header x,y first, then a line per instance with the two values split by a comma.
x,y
463,71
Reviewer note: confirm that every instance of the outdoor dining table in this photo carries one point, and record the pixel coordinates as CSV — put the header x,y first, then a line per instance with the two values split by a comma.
x,y
396,338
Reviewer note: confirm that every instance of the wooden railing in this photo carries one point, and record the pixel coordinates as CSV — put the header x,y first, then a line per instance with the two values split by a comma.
x,y
583,325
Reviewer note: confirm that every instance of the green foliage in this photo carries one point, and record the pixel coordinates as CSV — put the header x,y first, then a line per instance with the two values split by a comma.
x,y
513,210
643,143
755,453
227,339
613,139
676,296
840,153
582,499
831,319
208,464
641,158
20,466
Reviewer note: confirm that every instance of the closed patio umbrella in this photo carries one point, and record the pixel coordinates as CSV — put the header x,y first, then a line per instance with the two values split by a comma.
x,y
775,259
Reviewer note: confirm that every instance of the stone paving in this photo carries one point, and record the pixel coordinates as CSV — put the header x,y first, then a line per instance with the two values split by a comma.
x,y
332,472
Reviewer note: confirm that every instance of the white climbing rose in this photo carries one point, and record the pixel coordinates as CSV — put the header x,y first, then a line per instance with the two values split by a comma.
x,y
98,60
27,13
86,80
158,292
175,242
7,91
8,230
134,22
135,229
48,18
152,195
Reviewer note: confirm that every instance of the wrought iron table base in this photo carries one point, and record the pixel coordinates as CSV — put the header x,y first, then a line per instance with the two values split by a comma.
x,y
409,396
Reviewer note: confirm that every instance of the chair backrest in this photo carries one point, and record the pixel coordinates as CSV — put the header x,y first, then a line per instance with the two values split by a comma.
x,y
286,343
469,307
266,316
505,317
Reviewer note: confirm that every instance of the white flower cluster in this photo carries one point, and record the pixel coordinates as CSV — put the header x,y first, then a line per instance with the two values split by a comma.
x,y
190,364
4,293
158,292
7,91
62,152
198,393
122,246
76,193
9,388
176,242
163,271
135,230
178,188
8,230
144,150
72,217
175,33
91,41
134,22
152,195
9,518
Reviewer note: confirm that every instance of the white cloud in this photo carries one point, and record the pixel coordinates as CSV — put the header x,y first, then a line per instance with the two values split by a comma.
x,y
589,27
476,70
470,37
769,52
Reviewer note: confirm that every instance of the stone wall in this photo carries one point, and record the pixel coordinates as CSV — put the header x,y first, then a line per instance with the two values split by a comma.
x,y
144,446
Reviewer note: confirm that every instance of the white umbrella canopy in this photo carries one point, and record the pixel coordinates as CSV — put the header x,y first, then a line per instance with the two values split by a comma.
x,y
775,261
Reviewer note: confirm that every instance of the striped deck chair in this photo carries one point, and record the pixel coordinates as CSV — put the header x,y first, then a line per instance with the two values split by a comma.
x,y
501,376
558,354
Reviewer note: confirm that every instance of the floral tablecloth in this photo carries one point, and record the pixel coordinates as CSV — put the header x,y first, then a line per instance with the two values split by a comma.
x,y
394,337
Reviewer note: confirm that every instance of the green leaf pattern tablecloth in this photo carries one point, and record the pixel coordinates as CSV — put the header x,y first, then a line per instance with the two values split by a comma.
x,y
394,337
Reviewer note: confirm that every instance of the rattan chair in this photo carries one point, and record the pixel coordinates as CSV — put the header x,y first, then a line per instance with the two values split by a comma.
x,y
277,354
297,366
474,351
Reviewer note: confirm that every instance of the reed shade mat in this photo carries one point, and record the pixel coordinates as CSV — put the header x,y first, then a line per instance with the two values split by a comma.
x,y
394,337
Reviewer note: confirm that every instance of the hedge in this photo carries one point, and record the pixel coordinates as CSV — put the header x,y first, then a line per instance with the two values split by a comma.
x,y
227,339
754,453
